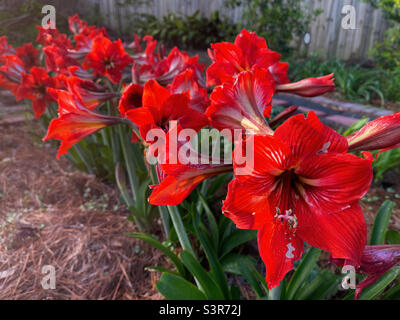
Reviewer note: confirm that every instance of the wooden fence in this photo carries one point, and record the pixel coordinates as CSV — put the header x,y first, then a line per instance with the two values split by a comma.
x,y
327,36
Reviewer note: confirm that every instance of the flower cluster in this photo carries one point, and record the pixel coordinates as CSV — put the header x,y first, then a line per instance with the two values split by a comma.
x,y
304,184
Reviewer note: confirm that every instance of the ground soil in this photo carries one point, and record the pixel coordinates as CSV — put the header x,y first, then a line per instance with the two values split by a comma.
x,y
53,214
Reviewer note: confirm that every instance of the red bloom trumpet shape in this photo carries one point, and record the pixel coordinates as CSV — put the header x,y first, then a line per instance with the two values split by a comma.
x,y
187,82
58,59
376,260
309,87
28,55
34,87
241,105
107,58
177,179
303,186
159,107
74,121
76,25
131,98
5,47
382,133
89,92
165,70
11,73
248,50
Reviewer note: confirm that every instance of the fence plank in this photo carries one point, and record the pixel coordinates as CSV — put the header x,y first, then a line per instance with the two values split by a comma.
x,y
328,38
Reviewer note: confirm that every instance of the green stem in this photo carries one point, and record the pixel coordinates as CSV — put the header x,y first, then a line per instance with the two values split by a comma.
x,y
133,179
180,229
162,209
275,293
83,158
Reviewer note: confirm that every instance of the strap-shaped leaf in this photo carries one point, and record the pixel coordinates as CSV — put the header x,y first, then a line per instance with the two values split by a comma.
x,y
380,285
381,223
207,283
301,273
174,287
158,245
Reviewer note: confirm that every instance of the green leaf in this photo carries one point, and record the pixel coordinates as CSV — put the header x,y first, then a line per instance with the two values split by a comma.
x,y
211,254
324,283
247,271
158,245
381,223
173,287
373,291
207,283
235,239
301,273
392,237
211,222
230,262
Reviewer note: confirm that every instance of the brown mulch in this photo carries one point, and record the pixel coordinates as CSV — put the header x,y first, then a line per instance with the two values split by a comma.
x,y
53,214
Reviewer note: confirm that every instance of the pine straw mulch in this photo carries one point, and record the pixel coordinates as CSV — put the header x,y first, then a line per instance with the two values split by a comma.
x,y
53,214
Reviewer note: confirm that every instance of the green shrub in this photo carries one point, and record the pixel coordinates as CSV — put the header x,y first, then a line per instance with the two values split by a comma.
x,y
188,31
278,21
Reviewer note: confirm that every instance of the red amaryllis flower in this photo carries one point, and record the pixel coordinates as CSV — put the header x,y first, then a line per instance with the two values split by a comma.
x,y
53,37
74,121
33,86
135,44
131,98
247,51
178,179
159,107
166,69
11,73
303,186
91,93
58,59
382,133
76,25
241,105
5,47
279,72
150,56
29,55
375,261
107,58
187,82
309,87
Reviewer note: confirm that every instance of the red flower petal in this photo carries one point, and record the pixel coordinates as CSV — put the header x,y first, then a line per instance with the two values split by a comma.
x,y
332,181
308,136
154,95
279,248
310,87
382,133
181,181
271,158
246,210
241,105
131,98
342,233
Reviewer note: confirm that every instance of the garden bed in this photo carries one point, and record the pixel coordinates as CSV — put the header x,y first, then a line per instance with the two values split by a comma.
x,y
53,214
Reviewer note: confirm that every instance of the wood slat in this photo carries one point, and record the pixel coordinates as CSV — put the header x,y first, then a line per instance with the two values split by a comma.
x,y
328,38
